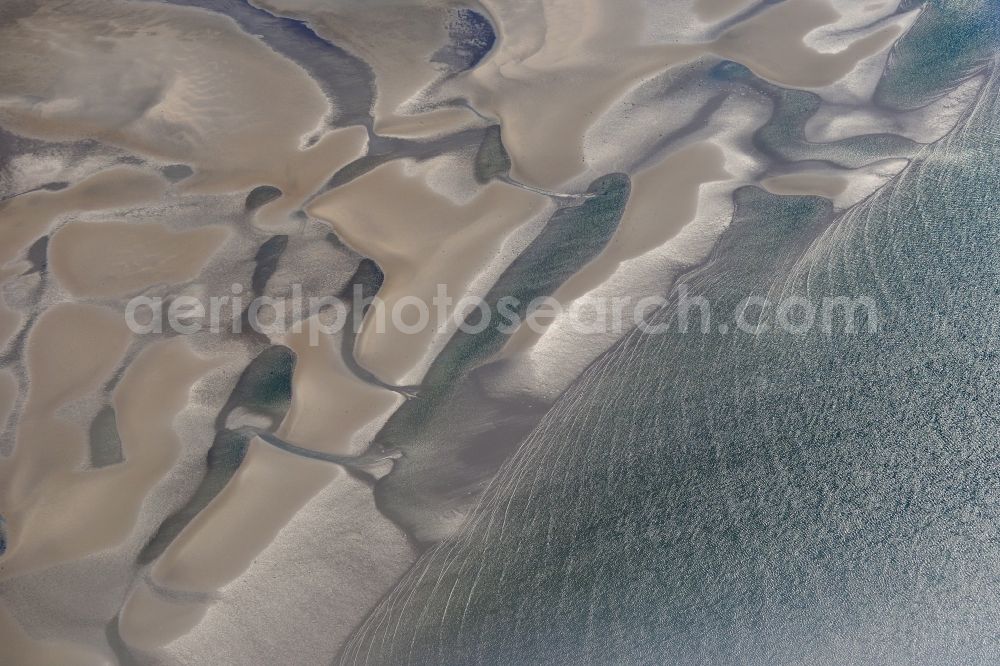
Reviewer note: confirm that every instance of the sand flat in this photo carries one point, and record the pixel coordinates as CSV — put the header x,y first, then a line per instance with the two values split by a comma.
x,y
772,44
307,171
71,349
8,395
106,259
664,198
820,184
714,10
404,72
29,216
166,81
420,239
222,541
332,409
547,82
844,187
151,83
546,87
148,620
43,517
10,319
21,649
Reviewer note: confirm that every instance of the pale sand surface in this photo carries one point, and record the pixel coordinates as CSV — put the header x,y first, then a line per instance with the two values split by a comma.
x,y
149,620
106,259
420,239
70,351
49,491
10,319
539,366
771,44
714,10
858,19
431,124
403,72
21,649
834,122
115,71
547,81
844,187
221,542
820,184
332,409
334,560
29,216
306,172
532,71
664,199
8,395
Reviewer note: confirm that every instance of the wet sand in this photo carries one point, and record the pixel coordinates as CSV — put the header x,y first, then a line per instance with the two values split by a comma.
x,y
307,172
8,396
224,539
152,84
334,560
529,72
332,409
664,199
45,489
420,239
71,350
21,649
30,216
10,319
106,259
715,10
823,185
403,72
113,70
771,44
844,187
